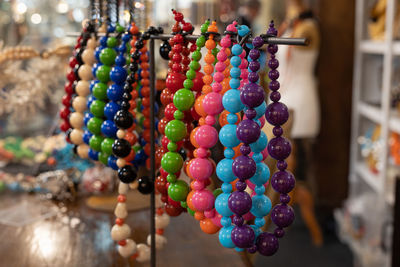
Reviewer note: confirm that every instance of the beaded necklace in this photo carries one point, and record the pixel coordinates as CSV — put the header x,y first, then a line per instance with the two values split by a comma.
x,y
118,76
124,120
76,119
244,167
98,102
74,63
279,148
261,204
206,136
232,104
130,135
120,232
172,162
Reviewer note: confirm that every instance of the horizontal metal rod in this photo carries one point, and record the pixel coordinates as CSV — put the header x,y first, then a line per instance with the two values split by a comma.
x,y
267,40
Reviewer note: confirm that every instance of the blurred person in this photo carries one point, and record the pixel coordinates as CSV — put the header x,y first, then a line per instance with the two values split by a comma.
x,y
249,12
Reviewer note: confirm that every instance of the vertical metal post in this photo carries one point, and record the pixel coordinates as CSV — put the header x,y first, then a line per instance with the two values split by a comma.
x,y
152,153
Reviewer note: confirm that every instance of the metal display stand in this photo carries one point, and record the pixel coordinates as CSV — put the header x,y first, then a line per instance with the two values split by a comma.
x,y
267,40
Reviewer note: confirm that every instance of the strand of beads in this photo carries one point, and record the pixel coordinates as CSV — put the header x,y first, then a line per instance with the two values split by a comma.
x,y
187,150
145,93
227,135
244,167
200,169
92,154
102,73
174,82
175,130
74,63
98,102
79,101
206,136
76,119
193,74
118,76
131,135
261,204
121,231
124,120
243,31
279,148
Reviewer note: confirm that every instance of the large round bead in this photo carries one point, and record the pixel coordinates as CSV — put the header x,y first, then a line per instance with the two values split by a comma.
x,y
277,113
95,143
76,120
82,88
252,95
243,236
231,101
121,148
178,190
201,169
103,73
118,74
172,162
111,109
206,136
224,170
282,215
115,92
85,72
228,137
123,119
97,108
239,202
262,174
212,104
267,244
106,145
203,200
107,56
94,125
222,206
283,182
127,174
79,104
175,130
109,129
248,131
183,99
244,167
100,91
279,148
174,81
261,205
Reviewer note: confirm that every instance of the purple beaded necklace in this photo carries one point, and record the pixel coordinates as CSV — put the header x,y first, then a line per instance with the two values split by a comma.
x,y
279,148
244,167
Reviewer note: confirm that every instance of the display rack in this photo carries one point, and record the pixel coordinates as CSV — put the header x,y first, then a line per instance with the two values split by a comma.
x,y
361,179
267,40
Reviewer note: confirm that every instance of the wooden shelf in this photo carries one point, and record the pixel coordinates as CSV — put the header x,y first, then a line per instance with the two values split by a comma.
x,y
374,114
369,177
378,47
371,112
394,122
372,47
